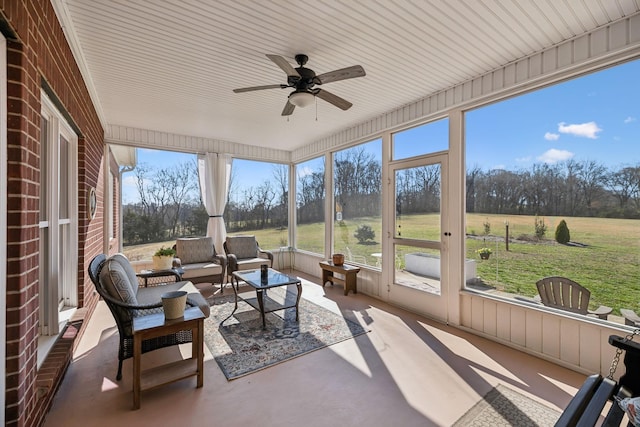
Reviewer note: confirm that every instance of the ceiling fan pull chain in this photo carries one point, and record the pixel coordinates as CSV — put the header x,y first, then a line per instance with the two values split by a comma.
x,y
316,99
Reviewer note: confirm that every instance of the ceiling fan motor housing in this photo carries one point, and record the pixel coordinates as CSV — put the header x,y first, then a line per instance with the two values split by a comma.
x,y
303,83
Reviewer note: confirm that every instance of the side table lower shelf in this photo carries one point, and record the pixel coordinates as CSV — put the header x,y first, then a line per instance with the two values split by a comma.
x,y
155,325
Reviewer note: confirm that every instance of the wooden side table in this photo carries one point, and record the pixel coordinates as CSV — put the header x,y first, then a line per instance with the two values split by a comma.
x,y
155,325
350,275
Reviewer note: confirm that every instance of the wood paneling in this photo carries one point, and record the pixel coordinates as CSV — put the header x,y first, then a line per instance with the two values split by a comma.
x,y
171,66
569,340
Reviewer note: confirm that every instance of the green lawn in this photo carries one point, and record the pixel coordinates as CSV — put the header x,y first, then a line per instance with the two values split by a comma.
x,y
607,261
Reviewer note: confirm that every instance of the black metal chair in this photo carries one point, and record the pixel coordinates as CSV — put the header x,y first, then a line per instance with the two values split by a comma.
x,y
124,313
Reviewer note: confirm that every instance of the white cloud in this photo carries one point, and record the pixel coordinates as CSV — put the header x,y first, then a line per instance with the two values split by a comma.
x,y
499,167
554,156
551,136
129,180
587,130
304,171
630,119
523,159
130,189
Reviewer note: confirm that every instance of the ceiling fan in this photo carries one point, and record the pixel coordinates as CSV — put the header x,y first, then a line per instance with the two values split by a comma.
x,y
303,80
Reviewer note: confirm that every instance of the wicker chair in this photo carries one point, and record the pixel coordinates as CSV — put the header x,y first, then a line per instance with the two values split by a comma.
x,y
124,306
200,262
244,253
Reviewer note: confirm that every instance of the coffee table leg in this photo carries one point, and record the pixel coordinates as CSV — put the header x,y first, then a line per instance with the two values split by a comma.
x,y
299,286
259,295
235,293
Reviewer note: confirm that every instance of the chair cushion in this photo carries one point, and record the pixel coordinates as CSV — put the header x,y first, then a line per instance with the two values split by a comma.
x,y
117,282
251,263
153,294
194,249
201,269
242,246
126,264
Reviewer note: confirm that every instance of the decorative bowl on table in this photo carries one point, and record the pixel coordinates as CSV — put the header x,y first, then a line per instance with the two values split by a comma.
x,y
338,259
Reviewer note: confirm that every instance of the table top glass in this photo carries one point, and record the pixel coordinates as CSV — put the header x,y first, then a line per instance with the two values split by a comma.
x,y
274,278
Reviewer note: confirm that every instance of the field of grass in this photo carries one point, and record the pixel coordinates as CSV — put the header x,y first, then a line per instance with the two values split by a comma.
x,y
605,256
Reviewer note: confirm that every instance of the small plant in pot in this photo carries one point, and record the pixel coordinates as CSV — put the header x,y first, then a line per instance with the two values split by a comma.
x,y
484,253
163,258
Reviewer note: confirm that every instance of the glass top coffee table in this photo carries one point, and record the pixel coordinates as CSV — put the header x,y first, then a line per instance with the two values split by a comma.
x,y
262,303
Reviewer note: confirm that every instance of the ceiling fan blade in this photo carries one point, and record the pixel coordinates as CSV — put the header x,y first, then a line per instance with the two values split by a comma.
x,y
249,89
341,103
341,74
288,109
284,65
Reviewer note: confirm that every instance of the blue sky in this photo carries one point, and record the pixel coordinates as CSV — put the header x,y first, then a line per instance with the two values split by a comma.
x,y
595,117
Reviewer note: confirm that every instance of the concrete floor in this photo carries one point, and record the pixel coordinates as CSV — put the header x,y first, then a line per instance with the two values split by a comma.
x,y
407,371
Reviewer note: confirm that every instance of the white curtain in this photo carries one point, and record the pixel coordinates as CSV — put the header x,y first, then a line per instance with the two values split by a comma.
x,y
214,173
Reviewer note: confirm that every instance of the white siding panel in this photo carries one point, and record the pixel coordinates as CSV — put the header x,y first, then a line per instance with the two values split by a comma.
x,y
590,348
498,79
477,314
570,342
490,317
534,330
565,54
453,95
581,49
465,309
618,36
551,336
549,61
442,101
634,29
522,71
567,339
599,42
467,93
487,84
144,138
535,65
504,322
509,75
518,325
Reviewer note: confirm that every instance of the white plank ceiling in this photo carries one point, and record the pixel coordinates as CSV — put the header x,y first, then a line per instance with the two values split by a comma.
x,y
171,65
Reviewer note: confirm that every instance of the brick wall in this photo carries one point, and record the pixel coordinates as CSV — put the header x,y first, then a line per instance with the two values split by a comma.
x,y
38,56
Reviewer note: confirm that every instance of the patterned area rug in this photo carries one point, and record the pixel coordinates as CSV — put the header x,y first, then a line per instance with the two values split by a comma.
x,y
242,347
505,407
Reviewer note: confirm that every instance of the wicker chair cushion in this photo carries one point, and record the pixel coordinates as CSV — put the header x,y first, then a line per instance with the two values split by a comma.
x,y
195,250
128,268
153,294
117,281
200,269
242,246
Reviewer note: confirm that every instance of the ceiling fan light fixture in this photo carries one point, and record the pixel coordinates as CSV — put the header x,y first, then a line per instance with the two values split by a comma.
x,y
301,99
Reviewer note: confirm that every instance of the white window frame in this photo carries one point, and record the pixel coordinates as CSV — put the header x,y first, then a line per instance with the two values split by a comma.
x,y
111,203
56,309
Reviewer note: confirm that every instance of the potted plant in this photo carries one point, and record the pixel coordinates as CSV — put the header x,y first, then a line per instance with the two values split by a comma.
x,y
163,258
484,253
